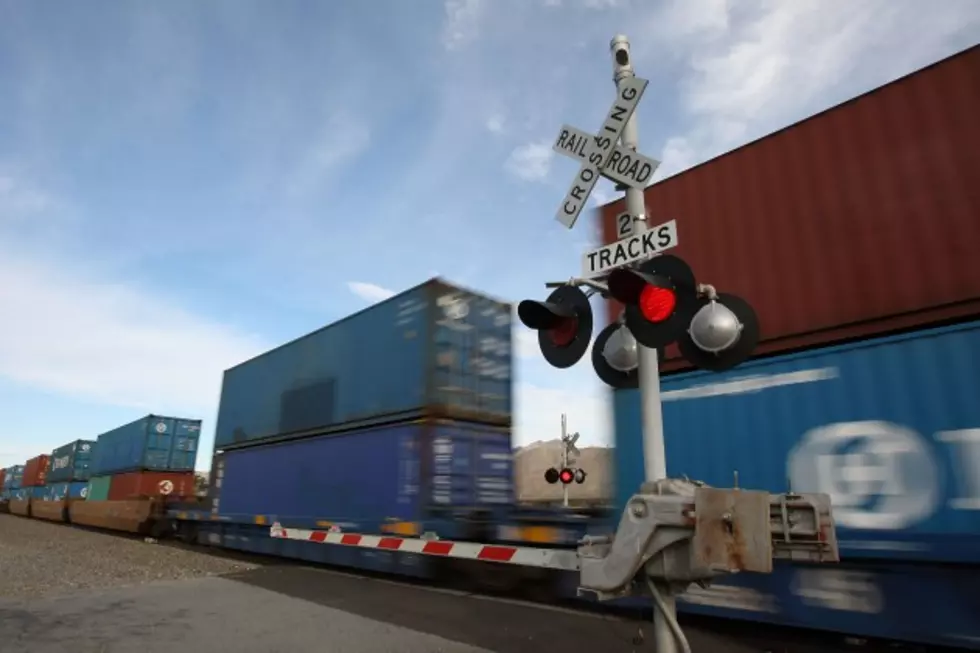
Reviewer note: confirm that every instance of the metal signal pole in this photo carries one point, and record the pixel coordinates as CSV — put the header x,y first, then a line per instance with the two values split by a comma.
x,y
654,452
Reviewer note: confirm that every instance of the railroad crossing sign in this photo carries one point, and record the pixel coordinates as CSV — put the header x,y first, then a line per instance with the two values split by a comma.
x,y
569,442
600,153
624,165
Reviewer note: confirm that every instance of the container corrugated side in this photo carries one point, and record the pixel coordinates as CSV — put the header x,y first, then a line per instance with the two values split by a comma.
x,y
13,477
98,488
153,443
136,485
813,224
364,479
434,350
36,471
71,462
67,490
890,428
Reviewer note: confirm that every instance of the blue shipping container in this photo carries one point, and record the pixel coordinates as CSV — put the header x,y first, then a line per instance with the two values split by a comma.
x,y
13,477
890,428
20,494
360,480
39,492
434,350
154,443
62,491
71,462
909,602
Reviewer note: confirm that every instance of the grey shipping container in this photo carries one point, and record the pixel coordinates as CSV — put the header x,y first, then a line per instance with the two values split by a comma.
x,y
435,350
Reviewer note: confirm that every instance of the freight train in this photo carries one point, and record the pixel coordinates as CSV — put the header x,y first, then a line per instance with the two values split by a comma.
x,y
394,424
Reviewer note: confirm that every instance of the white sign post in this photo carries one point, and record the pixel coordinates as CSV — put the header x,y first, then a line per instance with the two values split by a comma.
x,y
601,156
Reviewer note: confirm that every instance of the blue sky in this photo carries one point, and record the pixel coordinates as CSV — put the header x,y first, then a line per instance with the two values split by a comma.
x,y
186,184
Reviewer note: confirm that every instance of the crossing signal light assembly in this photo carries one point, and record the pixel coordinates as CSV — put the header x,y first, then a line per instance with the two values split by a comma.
x,y
563,322
664,304
660,296
565,476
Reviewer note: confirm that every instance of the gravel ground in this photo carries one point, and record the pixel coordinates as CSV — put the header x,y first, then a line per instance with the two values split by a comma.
x,y
39,558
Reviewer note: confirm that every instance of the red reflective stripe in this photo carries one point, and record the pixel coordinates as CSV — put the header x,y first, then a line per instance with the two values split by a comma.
x,y
318,536
350,539
437,548
390,543
497,553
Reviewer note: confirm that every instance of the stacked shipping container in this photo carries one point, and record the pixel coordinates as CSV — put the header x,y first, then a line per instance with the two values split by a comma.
x,y
153,456
71,462
397,410
11,478
866,381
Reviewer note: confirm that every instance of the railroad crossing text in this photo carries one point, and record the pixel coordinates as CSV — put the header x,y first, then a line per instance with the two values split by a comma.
x,y
628,250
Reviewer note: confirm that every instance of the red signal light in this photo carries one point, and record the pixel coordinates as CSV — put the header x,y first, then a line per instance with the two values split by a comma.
x,y
566,476
563,333
657,304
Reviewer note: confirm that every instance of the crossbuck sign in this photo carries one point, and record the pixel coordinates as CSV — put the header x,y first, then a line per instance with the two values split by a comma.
x,y
601,155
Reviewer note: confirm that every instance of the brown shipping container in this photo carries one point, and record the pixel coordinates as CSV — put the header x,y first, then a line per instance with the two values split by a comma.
x,y
3,475
133,516
858,221
50,510
36,471
151,484
20,507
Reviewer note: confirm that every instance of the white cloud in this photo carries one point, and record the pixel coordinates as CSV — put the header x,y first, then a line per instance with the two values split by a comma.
x,y
342,137
369,291
19,200
105,340
539,412
495,124
773,63
462,22
530,162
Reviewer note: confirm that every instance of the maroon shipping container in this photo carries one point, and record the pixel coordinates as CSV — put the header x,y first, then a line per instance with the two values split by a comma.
x,y
135,485
3,475
858,221
36,471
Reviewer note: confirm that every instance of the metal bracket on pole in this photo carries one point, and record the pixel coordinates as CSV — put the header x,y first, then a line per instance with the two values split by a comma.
x,y
681,532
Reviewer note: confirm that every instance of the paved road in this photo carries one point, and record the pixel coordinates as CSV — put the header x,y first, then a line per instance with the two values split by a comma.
x,y
292,608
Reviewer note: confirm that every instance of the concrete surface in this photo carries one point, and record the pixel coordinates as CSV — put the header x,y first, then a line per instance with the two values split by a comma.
x,y
293,608
211,614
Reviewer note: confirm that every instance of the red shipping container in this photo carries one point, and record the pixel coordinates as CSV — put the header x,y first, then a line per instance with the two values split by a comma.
x,y
135,485
36,471
859,221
